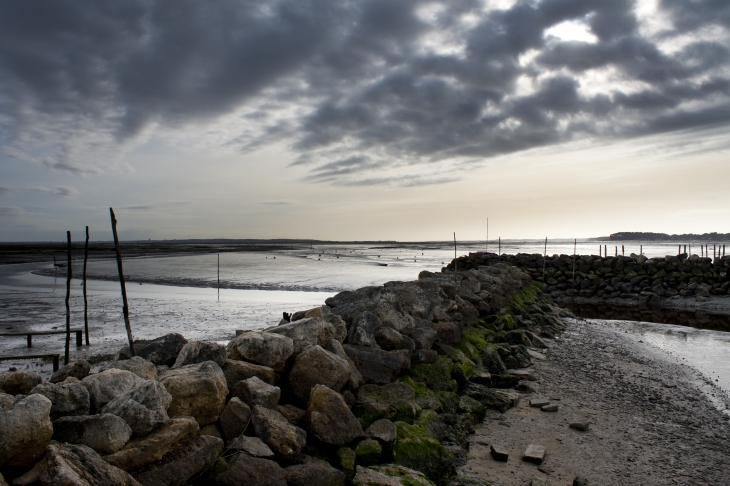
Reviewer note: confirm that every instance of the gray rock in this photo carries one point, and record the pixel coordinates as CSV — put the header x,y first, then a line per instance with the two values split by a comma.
x,y
539,402
553,407
384,430
389,475
19,382
580,425
237,371
199,351
314,472
394,401
492,361
198,391
368,452
254,392
501,400
103,387
67,398
145,450
253,446
6,401
105,433
423,337
355,379
390,340
377,366
160,351
581,481
144,409
330,419
362,331
428,356
234,418
499,452
306,332
264,348
284,438
317,366
534,453
294,415
182,462
78,369
68,464
139,366
26,431
252,471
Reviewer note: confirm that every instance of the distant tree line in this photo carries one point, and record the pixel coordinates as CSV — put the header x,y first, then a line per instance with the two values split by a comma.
x,y
645,236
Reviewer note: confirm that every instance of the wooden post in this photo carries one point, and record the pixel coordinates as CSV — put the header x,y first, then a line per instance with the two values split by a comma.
x,y
455,251
679,250
641,249
544,258
622,251
500,246
615,250
599,250
487,247
125,307
605,251
219,276
575,244
86,303
69,274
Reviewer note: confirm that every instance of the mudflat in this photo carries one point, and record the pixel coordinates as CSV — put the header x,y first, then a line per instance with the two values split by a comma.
x,y
651,421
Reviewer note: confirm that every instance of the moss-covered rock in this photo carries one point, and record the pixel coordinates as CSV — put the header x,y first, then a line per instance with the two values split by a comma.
x,y
436,376
425,398
368,452
394,401
389,475
415,448
492,360
473,408
346,461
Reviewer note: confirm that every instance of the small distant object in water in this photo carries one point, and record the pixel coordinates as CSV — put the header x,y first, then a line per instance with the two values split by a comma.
x,y
274,258
140,283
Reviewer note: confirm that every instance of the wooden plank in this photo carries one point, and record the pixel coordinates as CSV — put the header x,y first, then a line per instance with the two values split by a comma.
x,y
55,357
38,333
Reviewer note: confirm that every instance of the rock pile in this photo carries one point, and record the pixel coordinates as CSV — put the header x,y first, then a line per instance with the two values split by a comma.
x,y
612,277
381,385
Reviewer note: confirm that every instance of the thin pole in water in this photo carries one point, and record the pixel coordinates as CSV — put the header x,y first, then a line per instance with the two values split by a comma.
x,y
575,245
125,307
622,251
219,276
487,247
69,274
615,251
86,303
454,251
500,247
599,251
544,257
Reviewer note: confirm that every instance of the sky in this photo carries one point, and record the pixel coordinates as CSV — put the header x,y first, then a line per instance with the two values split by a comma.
x,y
364,120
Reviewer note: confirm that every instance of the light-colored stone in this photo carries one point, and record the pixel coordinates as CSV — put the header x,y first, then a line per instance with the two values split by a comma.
x,y
330,419
264,348
198,390
187,458
355,380
534,453
104,386
317,366
499,452
580,425
26,431
283,438
105,433
67,398
553,407
253,446
19,382
199,351
306,332
539,402
145,450
237,371
254,391
536,355
384,430
6,401
389,475
78,465
77,369
314,471
144,408
139,366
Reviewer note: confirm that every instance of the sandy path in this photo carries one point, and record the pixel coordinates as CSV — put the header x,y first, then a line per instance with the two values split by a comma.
x,y
652,422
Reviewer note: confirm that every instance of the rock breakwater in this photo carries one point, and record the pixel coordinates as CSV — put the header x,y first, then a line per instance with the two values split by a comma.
x,y
382,385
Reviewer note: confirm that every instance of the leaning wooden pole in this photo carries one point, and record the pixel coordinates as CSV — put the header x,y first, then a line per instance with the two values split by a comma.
x,y
69,274
125,308
86,303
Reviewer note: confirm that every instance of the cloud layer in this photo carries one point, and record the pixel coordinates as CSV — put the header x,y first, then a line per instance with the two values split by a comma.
x,y
371,92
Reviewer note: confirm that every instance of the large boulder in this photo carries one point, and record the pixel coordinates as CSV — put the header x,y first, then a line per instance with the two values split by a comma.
x,y
256,392
363,329
390,340
377,366
77,369
393,401
105,433
19,382
187,458
491,398
237,371
200,351
314,471
6,401
284,438
330,419
26,431
145,450
415,448
306,332
389,475
78,465
103,387
355,380
317,366
235,418
144,409
383,430
253,446
264,348
252,471
160,351
198,390
67,398
139,366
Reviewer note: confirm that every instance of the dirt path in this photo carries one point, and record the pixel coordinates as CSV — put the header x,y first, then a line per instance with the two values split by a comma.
x,y
651,422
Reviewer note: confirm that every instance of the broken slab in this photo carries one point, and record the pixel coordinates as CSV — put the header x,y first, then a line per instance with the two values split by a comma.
x,y
553,407
534,454
539,402
499,452
582,426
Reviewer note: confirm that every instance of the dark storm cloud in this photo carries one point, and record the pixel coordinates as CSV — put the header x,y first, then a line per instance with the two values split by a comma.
x,y
376,86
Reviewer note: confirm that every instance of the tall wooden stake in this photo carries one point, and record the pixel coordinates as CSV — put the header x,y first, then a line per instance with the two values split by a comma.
x,y
69,274
86,304
544,257
575,245
219,276
487,235
500,247
125,307
455,252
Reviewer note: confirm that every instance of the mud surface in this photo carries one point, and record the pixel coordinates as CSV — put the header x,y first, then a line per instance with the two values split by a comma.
x,y
652,421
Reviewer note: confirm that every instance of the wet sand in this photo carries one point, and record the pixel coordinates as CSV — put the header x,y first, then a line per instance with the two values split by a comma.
x,y
653,421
